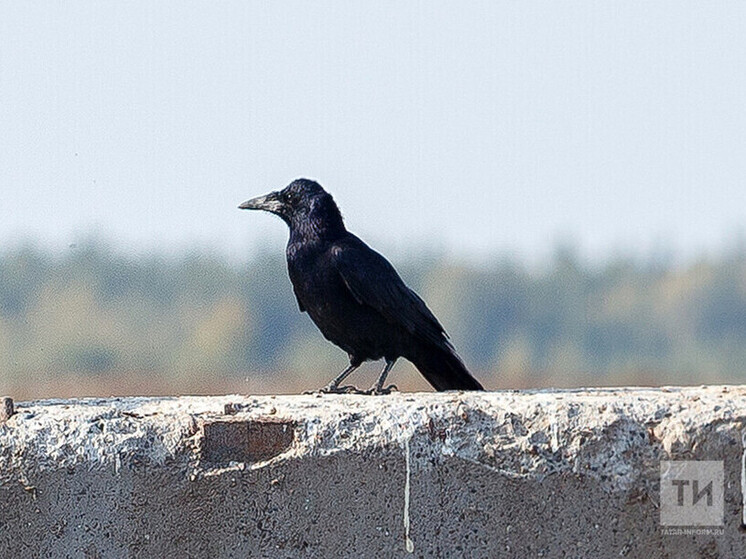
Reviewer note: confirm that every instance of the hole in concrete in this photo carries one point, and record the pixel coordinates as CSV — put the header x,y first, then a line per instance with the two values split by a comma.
x,y
246,441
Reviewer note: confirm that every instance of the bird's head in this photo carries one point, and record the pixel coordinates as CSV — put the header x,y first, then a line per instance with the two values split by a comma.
x,y
301,202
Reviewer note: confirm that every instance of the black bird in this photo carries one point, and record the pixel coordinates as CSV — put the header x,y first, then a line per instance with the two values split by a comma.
x,y
354,295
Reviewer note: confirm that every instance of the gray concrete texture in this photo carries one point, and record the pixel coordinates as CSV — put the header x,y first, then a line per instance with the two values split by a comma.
x,y
564,473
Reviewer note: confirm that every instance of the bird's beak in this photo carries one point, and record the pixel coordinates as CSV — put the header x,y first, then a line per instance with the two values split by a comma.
x,y
269,203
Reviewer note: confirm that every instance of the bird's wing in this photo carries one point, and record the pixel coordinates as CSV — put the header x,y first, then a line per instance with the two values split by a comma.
x,y
374,282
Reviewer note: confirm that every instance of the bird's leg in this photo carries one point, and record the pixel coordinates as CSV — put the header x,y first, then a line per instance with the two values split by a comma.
x,y
378,386
334,388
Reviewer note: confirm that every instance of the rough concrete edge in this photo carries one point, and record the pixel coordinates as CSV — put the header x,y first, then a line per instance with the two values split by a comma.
x,y
6,409
615,436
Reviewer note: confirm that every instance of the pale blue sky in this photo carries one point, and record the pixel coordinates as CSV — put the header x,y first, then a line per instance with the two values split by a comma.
x,y
487,126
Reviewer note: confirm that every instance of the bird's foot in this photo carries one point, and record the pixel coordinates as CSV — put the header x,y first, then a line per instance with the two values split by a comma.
x,y
379,390
335,389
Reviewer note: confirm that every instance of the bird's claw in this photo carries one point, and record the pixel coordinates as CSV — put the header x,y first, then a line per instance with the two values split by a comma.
x,y
379,391
334,389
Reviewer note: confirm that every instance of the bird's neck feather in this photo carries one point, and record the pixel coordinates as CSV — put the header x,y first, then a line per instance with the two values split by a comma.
x,y
314,231
323,223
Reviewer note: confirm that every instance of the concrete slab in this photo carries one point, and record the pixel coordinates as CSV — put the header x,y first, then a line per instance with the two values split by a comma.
x,y
565,473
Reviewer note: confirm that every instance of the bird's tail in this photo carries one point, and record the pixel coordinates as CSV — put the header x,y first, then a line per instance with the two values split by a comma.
x,y
443,369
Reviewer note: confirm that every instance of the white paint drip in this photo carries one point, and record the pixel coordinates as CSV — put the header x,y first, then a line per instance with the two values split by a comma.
x,y
554,443
409,543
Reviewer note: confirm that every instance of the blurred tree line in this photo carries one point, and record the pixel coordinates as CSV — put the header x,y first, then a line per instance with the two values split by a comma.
x,y
196,321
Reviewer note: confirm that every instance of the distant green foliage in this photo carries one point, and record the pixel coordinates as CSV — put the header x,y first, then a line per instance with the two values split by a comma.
x,y
96,311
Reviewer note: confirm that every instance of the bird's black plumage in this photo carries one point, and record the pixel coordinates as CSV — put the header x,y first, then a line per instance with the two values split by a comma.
x,y
355,296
